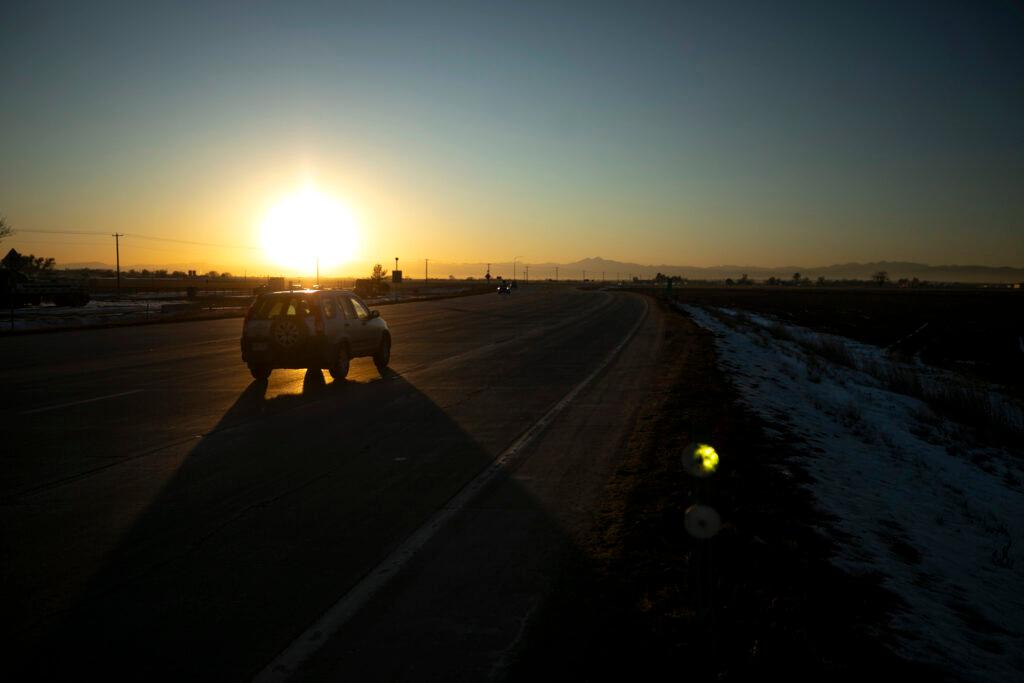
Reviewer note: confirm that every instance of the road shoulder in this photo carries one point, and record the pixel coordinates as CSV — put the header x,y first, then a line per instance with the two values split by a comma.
x,y
760,599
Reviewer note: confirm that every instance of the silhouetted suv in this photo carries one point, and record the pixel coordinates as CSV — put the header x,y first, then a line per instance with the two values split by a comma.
x,y
312,329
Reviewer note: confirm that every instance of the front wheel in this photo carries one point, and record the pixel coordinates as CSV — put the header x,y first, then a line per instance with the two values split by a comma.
x,y
259,371
383,355
339,369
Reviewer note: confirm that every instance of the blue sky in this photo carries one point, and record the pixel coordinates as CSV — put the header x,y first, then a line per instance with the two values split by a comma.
x,y
701,133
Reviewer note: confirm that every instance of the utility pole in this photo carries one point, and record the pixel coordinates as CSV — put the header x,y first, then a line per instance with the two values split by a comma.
x,y
584,276
514,268
602,276
394,284
426,270
117,256
556,273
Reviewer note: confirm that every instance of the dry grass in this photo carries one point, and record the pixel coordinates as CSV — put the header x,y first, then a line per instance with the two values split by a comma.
x,y
961,400
827,347
834,350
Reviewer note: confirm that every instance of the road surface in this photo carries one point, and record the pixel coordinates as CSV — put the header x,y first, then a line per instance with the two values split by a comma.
x,y
164,516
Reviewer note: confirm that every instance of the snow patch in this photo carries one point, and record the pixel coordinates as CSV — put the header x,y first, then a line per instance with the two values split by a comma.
x,y
917,499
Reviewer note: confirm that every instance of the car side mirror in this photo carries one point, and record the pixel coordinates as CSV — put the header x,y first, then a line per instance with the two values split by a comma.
x,y
374,314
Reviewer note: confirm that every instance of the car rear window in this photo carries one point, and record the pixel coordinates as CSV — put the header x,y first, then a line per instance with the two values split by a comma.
x,y
346,306
275,306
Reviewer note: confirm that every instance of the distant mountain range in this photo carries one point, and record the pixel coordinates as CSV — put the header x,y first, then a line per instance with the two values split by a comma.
x,y
598,268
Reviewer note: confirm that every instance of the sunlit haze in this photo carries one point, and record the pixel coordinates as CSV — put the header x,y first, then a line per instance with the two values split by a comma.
x,y
740,133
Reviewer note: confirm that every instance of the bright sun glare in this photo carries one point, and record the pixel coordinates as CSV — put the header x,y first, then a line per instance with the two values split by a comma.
x,y
307,225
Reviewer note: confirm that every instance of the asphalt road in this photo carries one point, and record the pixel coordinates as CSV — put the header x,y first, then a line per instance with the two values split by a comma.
x,y
164,516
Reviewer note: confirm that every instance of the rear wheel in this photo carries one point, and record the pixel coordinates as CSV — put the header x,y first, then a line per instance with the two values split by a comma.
x,y
259,371
288,332
339,368
383,355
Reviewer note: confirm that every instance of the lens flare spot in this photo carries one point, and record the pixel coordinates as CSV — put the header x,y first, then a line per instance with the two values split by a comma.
x,y
702,521
707,457
700,459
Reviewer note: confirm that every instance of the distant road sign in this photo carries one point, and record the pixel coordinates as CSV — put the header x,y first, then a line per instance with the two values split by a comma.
x,y
396,276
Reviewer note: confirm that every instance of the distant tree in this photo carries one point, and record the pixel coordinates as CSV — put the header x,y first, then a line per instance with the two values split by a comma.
x,y
160,273
5,229
729,281
880,278
378,285
39,264
744,280
451,277
225,275
821,280
796,278
772,280
179,274
29,264
212,274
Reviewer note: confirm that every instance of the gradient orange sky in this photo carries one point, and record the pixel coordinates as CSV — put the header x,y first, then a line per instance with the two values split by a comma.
x,y
474,133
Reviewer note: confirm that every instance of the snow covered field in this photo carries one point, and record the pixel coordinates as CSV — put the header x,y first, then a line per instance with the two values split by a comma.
x,y
48,317
152,307
930,506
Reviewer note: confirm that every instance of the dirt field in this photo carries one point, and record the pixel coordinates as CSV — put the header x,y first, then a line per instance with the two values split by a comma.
x,y
642,598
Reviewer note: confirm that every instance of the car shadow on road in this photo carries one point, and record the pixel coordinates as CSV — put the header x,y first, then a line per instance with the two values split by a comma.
x,y
257,401
278,511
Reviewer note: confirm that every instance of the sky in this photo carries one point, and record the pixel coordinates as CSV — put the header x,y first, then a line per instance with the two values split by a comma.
x,y
684,133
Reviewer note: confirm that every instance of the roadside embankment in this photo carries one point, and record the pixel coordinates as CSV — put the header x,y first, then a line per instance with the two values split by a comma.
x,y
759,599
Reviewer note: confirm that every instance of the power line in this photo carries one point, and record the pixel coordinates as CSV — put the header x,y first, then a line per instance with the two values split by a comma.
x,y
188,242
140,237
61,232
43,240
96,243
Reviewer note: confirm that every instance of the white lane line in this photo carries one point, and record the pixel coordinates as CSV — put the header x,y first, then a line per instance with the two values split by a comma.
x,y
78,403
306,645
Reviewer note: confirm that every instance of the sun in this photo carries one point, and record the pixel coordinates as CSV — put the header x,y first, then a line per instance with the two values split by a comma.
x,y
306,226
